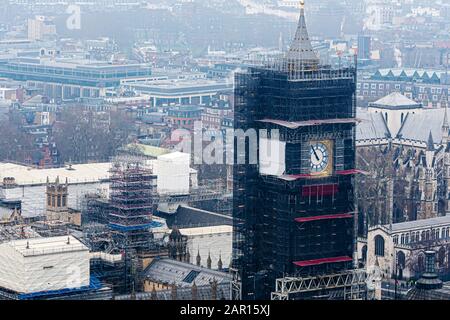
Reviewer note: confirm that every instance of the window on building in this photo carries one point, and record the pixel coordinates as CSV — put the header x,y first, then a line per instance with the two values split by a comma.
x,y
402,239
401,259
379,246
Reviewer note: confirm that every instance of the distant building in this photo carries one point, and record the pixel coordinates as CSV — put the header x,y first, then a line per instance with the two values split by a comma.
x,y
364,46
66,79
41,28
29,185
429,87
184,117
179,92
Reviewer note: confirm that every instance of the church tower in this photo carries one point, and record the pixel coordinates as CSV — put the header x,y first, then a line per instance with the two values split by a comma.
x,y
57,195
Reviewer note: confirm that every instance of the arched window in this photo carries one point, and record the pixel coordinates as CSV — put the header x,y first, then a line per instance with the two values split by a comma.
x,y
379,246
364,253
441,257
443,233
427,235
423,236
407,238
396,239
402,239
447,232
421,262
401,259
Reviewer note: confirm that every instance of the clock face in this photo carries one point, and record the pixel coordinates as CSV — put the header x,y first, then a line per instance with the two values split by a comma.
x,y
320,157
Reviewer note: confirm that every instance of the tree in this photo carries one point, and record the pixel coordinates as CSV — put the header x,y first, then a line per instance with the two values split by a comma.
x,y
85,136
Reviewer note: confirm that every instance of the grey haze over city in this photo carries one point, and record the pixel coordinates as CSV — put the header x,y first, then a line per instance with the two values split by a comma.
x,y
247,151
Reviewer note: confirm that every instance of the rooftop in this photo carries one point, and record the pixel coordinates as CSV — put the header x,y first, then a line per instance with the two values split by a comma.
x,y
80,173
396,101
206,230
43,246
425,223
183,274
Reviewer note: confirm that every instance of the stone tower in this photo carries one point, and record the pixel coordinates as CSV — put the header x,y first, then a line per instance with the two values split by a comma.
x,y
57,195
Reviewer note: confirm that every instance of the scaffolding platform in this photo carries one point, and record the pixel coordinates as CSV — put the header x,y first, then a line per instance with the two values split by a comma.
x,y
348,285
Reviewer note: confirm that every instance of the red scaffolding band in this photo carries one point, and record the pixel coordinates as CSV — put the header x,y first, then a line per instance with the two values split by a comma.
x,y
308,263
320,190
352,171
325,217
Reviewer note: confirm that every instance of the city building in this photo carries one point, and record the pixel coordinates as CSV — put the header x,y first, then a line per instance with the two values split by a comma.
x,y
68,79
406,146
28,185
184,117
48,268
398,250
179,91
364,47
168,279
41,28
293,210
428,87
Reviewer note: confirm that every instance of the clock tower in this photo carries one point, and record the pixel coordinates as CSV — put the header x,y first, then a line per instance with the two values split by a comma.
x,y
294,210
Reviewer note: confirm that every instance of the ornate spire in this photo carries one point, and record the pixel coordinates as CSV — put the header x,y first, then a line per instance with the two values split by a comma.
x,y
199,259
445,122
220,263
301,54
209,261
430,144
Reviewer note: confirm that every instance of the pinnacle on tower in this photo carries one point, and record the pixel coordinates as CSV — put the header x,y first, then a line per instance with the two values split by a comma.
x,y
301,54
199,259
209,261
430,143
445,122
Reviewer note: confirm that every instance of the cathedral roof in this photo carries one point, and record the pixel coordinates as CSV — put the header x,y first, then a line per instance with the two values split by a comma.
x,y
417,126
372,126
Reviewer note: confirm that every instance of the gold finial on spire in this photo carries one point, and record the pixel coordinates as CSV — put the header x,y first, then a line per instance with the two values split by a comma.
x,y
302,4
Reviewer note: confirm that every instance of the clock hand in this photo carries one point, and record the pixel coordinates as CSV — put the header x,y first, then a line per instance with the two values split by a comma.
x,y
315,153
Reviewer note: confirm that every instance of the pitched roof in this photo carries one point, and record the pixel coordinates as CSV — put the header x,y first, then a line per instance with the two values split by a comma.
x,y
371,127
301,52
417,126
183,274
396,101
